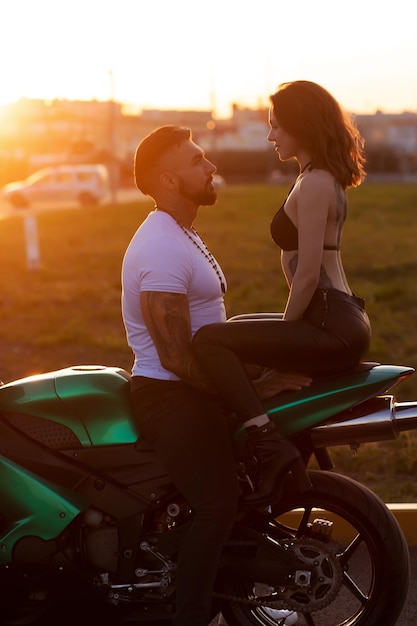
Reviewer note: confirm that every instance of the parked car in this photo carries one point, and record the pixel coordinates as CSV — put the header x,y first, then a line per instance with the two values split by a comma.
x,y
86,184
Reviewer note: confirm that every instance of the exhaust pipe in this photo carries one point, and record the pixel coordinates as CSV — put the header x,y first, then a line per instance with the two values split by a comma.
x,y
405,417
377,419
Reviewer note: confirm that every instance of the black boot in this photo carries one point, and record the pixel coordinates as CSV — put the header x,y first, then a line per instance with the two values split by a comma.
x,y
275,457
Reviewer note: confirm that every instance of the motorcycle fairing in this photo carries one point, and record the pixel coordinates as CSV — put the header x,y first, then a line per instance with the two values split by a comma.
x,y
294,411
32,506
71,480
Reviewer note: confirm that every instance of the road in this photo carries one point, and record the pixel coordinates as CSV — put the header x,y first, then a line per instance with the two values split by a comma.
x,y
409,614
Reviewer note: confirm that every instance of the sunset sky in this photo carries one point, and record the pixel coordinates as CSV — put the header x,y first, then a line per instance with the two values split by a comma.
x,y
206,55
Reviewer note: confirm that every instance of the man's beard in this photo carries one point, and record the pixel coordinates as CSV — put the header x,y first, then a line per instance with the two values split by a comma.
x,y
201,197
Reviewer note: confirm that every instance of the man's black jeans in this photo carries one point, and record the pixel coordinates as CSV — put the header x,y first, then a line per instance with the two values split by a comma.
x,y
190,434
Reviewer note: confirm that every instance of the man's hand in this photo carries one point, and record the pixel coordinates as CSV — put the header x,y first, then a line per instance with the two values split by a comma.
x,y
271,382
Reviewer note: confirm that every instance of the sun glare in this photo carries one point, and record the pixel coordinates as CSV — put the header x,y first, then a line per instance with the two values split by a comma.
x,y
173,55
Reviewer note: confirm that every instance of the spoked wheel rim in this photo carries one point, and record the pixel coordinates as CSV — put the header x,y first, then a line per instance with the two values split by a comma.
x,y
365,553
357,559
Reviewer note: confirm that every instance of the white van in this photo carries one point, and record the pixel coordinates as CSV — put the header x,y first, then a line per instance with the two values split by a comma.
x,y
86,184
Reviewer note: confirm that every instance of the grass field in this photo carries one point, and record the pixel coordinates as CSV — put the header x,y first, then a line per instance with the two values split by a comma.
x,y
68,311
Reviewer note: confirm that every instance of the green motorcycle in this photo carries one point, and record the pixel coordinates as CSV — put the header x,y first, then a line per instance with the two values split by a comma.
x,y
90,524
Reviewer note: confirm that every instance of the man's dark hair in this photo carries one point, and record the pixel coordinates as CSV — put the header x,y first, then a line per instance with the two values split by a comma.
x,y
150,150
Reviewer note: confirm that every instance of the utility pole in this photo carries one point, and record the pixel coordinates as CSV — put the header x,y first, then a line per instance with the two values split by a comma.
x,y
33,255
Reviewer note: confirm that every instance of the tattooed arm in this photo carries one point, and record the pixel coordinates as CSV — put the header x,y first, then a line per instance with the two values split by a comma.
x,y
167,318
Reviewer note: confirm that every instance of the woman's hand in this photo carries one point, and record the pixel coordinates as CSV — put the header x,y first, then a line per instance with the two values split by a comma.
x,y
271,382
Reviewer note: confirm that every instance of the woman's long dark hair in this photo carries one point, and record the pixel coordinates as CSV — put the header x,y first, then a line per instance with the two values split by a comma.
x,y
311,115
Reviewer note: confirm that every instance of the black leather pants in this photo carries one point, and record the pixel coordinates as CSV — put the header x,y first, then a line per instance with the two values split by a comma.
x,y
332,337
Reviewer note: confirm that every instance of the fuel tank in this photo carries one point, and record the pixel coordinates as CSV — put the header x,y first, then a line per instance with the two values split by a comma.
x,y
92,402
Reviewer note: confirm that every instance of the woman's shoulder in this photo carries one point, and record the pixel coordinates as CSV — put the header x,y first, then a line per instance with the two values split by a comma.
x,y
319,176
315,189
317,180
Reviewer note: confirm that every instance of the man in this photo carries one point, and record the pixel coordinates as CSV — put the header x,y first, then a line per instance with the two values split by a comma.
x,y
172,286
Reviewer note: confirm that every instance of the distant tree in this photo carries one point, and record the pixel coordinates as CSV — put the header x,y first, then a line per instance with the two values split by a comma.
x,y
249,165
382,159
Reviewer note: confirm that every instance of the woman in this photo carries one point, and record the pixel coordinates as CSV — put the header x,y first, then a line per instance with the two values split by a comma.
x,y
324,328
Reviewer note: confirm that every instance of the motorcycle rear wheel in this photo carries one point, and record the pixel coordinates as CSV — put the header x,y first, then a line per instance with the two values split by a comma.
x,y
372,557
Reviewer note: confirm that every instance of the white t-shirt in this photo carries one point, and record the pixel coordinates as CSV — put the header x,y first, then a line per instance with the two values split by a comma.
x,y
161,257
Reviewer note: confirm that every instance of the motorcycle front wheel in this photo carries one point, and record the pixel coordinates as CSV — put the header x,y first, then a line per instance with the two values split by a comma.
x,y
362,567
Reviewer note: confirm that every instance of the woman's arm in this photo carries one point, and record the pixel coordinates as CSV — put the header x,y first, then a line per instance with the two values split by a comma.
x,y
312,201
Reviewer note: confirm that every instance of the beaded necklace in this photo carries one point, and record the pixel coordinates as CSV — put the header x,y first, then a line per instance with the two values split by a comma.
x,y
204,250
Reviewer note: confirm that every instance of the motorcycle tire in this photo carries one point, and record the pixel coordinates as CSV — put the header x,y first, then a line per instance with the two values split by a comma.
x,y
365,564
